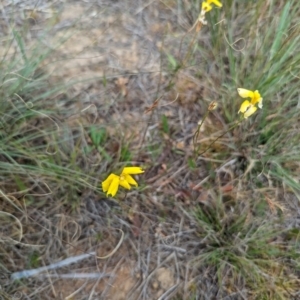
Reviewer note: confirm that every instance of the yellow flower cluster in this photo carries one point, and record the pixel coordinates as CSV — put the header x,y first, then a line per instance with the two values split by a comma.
x,y
113,181
248,108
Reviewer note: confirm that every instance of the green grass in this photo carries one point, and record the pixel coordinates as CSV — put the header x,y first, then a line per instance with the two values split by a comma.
x,y
246,244
259,49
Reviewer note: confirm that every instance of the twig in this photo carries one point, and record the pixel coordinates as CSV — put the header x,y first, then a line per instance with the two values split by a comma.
x,y
60,264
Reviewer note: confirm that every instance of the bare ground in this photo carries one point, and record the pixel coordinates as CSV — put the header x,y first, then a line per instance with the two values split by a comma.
x,y
121,43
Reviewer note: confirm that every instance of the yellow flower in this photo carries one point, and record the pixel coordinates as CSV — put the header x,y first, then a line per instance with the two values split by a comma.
x,y
206,5
216,2
111,184
248,108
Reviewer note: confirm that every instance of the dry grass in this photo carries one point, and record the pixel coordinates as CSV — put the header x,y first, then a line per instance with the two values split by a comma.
x,y
90,87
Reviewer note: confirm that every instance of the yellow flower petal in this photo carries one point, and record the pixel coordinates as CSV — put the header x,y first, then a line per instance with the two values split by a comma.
x,y
256,98
244,107
260,105
250,111
132,170
130,180
114,186
257,94
107,182
206,7
245,93
124,183
216,2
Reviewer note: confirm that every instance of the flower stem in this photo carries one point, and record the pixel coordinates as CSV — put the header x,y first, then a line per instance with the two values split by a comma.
x,y
232,127
196,134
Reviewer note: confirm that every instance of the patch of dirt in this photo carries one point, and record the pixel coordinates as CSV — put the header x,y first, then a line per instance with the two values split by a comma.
x,y
122,285
163,281
96,44
119,287
114,287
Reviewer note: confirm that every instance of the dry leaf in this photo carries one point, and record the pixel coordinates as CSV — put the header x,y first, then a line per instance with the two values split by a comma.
x,y
121,83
